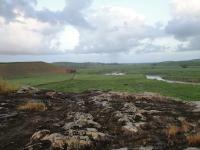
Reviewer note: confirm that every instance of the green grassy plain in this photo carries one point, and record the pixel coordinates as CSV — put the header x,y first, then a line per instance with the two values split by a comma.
x,y
92,76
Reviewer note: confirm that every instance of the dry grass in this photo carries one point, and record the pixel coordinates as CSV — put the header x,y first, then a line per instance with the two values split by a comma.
x,y
193,139
185,126
5,87
172,131
36,106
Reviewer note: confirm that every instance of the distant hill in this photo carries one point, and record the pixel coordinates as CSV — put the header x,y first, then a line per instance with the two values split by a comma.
x,y
195,62
86,65
28,68
80,65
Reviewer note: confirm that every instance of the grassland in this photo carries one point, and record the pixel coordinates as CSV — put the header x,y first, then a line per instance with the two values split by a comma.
x,y
91,76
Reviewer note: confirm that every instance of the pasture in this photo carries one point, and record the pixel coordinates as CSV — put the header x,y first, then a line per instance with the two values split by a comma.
x,y
92,77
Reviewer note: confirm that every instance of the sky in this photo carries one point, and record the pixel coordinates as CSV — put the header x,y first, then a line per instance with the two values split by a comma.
x,y
122,31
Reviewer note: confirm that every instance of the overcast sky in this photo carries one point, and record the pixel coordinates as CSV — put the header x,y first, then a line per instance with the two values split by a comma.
x,y
124,31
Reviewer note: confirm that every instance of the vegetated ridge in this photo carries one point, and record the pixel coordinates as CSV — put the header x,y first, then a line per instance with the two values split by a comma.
x,y
28,68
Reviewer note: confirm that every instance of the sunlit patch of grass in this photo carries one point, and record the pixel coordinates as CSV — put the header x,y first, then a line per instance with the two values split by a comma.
x,y
193,139
35,106
5,87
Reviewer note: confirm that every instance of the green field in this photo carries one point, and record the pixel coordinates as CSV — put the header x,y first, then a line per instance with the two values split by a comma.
x,y
91,77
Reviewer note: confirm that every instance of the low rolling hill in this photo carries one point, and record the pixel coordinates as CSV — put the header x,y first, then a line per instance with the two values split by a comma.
x,y
28,68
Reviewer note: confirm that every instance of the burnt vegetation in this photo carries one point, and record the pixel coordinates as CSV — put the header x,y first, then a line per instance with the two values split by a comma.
x,y
39,119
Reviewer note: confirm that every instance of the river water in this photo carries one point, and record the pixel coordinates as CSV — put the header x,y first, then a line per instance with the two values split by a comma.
x,y
159,78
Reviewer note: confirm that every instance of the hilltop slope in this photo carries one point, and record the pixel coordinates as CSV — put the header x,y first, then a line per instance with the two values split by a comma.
x,y
33,119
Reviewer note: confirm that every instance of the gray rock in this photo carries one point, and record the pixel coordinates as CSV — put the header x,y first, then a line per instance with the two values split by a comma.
x,y
81,120
146,148
27,90
129,128
121,149
83,116
71,125
129,108
196,106
57,140
10,115
91,129
40,134
3,104
192,148
97,136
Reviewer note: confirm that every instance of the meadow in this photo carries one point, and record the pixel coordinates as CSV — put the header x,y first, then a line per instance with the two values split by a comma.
x,y
92,77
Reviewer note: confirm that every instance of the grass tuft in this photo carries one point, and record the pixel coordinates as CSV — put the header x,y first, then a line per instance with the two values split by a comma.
x,y
185,126
193,139
172,131
5,87
35,106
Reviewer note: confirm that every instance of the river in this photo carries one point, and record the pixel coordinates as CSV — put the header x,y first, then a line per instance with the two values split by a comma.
x,y
159,78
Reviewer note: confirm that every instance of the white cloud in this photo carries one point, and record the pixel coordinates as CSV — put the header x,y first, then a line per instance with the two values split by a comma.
x,y
66,39
186,8
30,36
115,30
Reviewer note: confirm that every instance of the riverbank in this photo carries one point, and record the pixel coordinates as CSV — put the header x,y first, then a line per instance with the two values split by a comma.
x,y
159,78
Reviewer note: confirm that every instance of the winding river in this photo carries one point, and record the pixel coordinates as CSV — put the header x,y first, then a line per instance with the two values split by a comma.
x,y
159,78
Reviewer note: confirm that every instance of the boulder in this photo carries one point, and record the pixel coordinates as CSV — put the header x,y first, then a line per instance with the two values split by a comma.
x,y
77,142
192,148
121,148
40,134
71,125
27,90
129,129
146,148
97,136
57,140
81,120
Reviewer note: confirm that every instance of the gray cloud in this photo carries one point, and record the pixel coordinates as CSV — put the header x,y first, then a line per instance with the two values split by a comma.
x,y
8,8
116,30
183,28
185,24
71,14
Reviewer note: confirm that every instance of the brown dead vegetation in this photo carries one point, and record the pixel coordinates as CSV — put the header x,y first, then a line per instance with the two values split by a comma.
x,y
36,106
173,130
5,87
193,139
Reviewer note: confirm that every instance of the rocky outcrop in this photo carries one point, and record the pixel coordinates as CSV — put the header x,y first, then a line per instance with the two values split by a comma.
x,y
97,120
77,135
131,117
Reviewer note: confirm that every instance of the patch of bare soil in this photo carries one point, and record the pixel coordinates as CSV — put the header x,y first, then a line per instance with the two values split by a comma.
x,y
96,120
